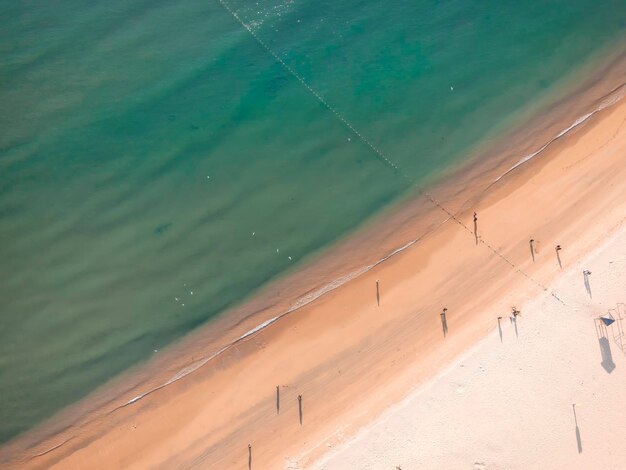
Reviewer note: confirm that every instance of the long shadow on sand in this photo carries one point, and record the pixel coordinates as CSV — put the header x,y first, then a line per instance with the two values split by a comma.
x,y
579,441
605,347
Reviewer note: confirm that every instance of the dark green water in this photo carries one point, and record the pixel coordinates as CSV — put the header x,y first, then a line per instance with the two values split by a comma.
x,y
142,143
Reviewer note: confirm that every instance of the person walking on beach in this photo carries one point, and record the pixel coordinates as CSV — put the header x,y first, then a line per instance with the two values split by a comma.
x,y
558,255
444,322
300,408
476,227
377,293
532,248
516,312
249,457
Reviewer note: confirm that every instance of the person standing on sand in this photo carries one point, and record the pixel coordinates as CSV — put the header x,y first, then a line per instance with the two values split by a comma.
x,y
558,255
476,227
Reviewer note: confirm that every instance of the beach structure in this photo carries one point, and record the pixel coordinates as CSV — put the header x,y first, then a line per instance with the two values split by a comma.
x,y
607,319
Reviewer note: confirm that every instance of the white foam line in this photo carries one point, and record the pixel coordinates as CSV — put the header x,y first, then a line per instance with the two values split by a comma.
x,y
580,120
301,302
311,297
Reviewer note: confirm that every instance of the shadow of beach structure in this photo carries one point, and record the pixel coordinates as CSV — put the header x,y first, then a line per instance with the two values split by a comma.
x,y
586,274
619,314
605,347
579,442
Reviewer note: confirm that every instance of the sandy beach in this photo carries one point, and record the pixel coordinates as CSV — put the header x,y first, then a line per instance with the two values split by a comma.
x,y
544,392
381,384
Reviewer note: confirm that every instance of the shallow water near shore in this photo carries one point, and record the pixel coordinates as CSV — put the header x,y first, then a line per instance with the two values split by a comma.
x,y
158,165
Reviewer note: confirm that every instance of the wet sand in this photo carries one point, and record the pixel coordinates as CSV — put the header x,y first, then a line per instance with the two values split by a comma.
x,y
349,357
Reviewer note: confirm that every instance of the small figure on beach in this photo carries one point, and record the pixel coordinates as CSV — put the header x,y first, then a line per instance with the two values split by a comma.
x,y
444,322
377,293
300,408
277,399
515,312
558,255
476,227
249,457
532,248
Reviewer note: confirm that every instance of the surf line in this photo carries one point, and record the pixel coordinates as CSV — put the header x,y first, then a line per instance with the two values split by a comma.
x,y
611,98
307,299
303,301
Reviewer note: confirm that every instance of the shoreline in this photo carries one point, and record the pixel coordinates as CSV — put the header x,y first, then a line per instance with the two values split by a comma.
x,y
428,224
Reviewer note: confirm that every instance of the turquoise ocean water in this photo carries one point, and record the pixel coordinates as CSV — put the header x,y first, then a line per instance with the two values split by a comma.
x,y
143,143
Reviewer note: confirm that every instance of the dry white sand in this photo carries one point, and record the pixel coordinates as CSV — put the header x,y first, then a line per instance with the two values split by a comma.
x,y
507,404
